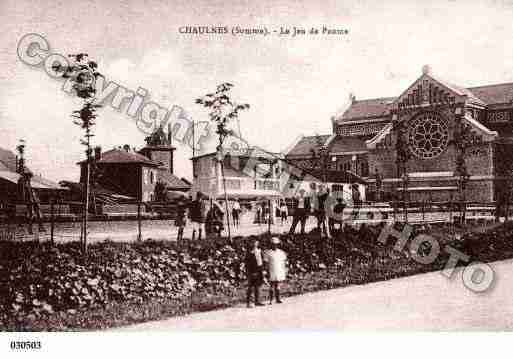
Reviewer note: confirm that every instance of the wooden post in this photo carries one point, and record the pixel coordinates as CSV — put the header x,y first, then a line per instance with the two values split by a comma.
x,y
86,205
269,217
226,202
52,220
139,232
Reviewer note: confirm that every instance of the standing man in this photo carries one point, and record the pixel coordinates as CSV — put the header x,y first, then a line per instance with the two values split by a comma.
x,y
198,216
301,211
255,272
180,219
283,212
276,261
236,212
320,212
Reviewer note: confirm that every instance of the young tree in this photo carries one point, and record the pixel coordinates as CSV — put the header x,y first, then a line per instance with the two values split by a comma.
x,y
83,73
222,110
463,139
403,155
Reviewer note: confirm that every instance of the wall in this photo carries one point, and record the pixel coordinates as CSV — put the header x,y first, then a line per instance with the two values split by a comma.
x,y
148,182
163,156
123,178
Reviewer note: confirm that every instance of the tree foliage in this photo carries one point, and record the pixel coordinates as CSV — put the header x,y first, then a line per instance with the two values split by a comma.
x,y
222,110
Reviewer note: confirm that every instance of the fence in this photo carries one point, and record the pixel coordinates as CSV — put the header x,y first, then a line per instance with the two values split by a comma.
x,y
62,221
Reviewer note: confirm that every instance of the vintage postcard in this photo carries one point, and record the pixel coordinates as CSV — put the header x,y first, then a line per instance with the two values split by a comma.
x,y
177,166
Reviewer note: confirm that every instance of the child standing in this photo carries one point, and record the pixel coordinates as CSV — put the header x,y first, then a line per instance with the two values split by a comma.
x,y
276,261
254,270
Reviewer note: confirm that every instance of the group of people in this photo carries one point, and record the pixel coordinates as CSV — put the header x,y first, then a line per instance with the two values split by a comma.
x,y
268,267
314,204
206,216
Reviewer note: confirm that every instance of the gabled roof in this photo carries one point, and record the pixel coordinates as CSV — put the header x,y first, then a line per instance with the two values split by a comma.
x,y
349,144
377,107
380,107
306,144
37,182
457,89
7,160
494,94
122,156
8,170
171,181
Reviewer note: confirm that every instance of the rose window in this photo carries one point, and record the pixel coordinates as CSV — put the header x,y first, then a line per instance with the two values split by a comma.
x,y
428,136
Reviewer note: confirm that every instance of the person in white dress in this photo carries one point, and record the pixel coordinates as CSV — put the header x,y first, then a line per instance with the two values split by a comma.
x,y
276,262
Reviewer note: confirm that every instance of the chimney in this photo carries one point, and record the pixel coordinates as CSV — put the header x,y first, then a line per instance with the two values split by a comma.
x,y
352,97
126,148
97,153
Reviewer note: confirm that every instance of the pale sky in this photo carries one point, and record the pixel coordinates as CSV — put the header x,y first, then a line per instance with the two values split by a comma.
x,y
294,85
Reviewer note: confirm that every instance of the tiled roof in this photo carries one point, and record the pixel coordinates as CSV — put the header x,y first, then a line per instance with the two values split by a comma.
x,y
349,144
37,182
122,156
494,94
490,95
8,169
171,181
369,108
7,160
306,144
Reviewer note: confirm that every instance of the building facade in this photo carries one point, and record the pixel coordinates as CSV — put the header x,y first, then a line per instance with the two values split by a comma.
x,y
248,174
413,142
136,173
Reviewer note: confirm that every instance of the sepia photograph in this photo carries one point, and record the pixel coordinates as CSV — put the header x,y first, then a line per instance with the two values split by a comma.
x,y
254,167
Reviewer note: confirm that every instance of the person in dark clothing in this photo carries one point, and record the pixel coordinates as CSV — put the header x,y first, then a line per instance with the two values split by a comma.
x,y
301,205
236,210
357,201
255,272
338,211
180,220
198,215
214,220
320,212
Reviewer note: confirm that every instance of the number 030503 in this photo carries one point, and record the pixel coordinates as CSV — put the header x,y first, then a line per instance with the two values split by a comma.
x,y
25,345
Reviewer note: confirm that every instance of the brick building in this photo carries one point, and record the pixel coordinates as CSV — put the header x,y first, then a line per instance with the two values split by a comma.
x,y
136,173
426,118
